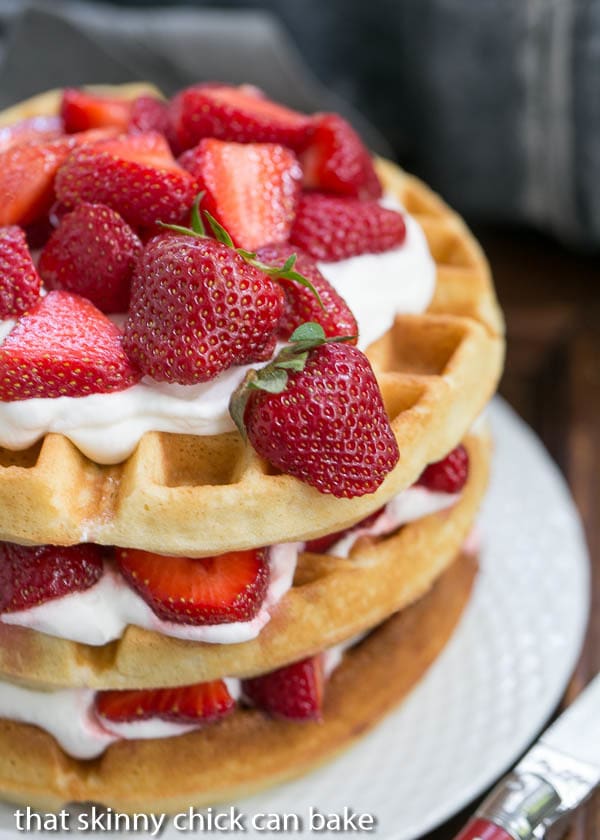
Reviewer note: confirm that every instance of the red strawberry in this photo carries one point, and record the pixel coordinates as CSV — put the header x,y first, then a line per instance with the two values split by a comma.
x,y
27,176
321,544
301,304
448,475
331,228
251,189
134,175
323,420
148,114
337,161
30,130
242,114
20,283
81,110
211,590
294,692
92,253
202,703
32,575
197,307
64,346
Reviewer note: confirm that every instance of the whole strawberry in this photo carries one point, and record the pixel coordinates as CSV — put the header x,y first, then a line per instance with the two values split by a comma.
x,y
316,412
19,281
332,228
92,253
301,304
197,308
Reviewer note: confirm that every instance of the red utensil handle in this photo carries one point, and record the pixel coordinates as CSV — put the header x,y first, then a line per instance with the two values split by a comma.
x,y
479,829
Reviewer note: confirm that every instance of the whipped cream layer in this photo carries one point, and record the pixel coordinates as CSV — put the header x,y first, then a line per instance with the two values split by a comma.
x,y
412,504
108,427
69,714
100,614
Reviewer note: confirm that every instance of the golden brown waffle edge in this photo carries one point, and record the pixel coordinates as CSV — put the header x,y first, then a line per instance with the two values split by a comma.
x,y
247,751
332,600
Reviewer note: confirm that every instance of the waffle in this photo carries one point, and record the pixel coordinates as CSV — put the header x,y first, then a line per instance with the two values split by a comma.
x,y
198,496
247,750
333,599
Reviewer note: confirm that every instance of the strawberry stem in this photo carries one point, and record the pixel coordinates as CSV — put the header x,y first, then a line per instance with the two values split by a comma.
x,y
284,272
273,378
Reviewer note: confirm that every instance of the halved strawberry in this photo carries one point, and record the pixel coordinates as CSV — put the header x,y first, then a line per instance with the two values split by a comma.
x,y
92,253
81,110
32,575
448,475
134,175
64,346
20,283
332,228
242,114
301,305
250,188
148,114
321,544
337,161
30,130
27,175
202,703
294,692
211,590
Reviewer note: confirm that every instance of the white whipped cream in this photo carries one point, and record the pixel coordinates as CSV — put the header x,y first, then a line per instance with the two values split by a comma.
x,y
69,714
101,613
377,287
408,506
108,427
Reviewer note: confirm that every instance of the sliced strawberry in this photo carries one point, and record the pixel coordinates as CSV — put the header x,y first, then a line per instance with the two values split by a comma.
x,y
336,160
251,188
148,114
330,228
321,544
197,308
30,130
81,110
134,175
63,347
27,176
202,703
32,575
20,284
92,253
448,475
211,590
242,114
294,692
301,305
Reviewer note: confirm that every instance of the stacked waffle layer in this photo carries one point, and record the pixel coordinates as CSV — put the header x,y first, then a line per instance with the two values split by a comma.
x,y
104,687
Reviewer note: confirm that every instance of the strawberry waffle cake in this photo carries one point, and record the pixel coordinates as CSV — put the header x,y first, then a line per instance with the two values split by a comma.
x,y
242,370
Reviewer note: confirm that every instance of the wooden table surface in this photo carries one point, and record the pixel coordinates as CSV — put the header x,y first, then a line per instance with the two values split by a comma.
x,y
551,300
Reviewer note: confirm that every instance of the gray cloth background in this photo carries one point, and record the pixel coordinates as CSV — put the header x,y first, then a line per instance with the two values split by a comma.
x,y
495,102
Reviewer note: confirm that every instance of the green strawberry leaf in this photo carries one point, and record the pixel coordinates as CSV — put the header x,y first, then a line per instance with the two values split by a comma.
x,y
310,331
196,218
221,235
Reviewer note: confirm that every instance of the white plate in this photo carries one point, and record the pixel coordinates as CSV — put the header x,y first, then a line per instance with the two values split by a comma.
x,y
495,684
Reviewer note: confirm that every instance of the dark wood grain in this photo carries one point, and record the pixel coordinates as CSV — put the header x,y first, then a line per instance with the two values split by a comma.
x,y
551,299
